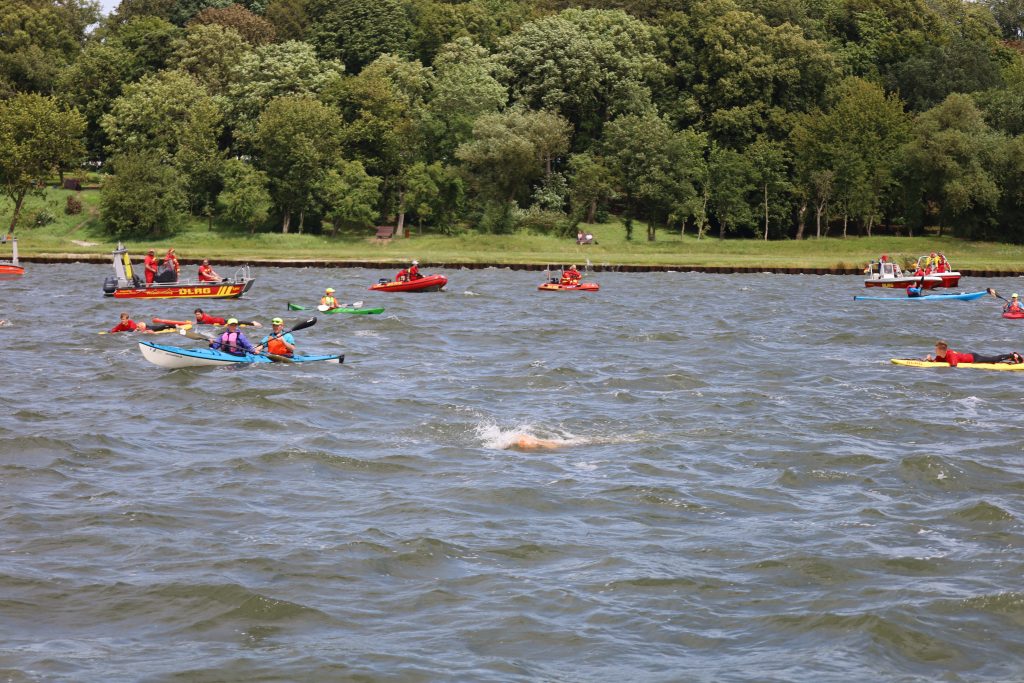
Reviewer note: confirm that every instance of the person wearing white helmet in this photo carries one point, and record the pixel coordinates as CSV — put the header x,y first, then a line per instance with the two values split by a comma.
x,y
1013,305
329,300
414,271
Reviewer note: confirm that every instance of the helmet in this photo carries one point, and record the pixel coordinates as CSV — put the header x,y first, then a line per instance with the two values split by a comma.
x,y
329,290
415,263
232,321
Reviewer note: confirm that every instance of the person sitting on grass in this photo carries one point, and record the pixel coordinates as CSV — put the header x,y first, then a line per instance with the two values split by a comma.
x,y
944,354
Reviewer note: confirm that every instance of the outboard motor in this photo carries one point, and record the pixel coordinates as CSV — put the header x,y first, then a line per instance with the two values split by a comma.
x,y
110,285
383,281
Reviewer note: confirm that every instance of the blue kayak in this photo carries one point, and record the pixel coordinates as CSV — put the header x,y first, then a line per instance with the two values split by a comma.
x,y
969,296
176,357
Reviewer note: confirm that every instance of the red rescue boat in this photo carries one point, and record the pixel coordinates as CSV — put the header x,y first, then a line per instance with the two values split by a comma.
x,y
125,284
12,270
578,287
888,274
427,283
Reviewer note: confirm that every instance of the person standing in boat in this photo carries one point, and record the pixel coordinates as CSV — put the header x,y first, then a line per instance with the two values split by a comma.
x,y
206,272
150,266
278,342
169,268
232,340
1013,305
944,354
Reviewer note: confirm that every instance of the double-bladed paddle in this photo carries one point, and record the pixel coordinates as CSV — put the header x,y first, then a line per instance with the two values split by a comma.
x,y
272,356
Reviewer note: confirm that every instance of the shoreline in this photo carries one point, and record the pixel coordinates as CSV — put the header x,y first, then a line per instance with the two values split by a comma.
x,y
595,267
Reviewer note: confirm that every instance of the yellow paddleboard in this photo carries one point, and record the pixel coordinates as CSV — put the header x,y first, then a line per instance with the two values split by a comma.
x,y
910,362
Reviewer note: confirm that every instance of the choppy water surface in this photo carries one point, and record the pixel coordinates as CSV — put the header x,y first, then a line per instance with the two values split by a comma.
x,y
745,489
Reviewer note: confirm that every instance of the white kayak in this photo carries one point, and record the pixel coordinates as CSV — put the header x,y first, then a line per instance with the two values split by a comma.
x,y
173,357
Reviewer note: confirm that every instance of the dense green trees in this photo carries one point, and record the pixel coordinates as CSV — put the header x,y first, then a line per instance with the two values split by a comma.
x,y
766,118
37,138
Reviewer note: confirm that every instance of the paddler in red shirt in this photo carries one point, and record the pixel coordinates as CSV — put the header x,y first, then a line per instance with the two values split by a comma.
x,y
944,354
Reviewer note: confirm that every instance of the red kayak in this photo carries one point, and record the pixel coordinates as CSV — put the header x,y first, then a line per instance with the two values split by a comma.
x,y
579,287
427,283
1014,315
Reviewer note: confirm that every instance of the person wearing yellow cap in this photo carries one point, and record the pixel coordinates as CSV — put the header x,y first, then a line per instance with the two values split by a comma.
x,y
232,340
1013,305
278,342
329,300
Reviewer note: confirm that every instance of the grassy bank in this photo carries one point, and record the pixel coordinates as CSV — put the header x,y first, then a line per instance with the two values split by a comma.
x,y
84,234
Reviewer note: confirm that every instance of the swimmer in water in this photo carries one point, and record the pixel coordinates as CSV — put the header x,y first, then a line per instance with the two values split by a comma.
x,y
527,442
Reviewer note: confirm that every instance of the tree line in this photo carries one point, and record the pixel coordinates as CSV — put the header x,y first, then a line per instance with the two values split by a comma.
x,y
756,118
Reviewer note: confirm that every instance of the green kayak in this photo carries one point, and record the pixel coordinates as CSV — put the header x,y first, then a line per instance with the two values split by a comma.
x,y
354,310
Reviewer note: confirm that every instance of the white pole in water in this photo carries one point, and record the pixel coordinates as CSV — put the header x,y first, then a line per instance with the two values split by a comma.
x,y
14,250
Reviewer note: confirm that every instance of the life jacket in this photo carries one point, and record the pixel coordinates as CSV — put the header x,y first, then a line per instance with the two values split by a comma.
x,y
1013,307
276,346
329,302
229,344
403,276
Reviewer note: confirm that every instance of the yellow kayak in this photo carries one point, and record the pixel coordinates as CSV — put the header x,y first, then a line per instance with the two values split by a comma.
x,y
911,362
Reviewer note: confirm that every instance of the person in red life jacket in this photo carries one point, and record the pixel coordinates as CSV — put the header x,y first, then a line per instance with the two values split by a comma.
x,y
150,262
329,300
278,342
232,340
414,271
1014,305
126,325
944,354
943,266
571,276
402,276
172,258
206,272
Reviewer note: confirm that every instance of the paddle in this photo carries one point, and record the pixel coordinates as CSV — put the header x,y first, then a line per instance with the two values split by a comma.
x,y
323,308
272,356
996,294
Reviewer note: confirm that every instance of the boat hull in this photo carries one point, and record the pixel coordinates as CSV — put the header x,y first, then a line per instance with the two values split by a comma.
x,y
557,287
928,282
967,296
218,290
174,357
427,283
912,363
9,271
1013,316
341,309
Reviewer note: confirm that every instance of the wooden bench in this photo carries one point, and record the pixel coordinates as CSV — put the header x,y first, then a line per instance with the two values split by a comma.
x,y
385,232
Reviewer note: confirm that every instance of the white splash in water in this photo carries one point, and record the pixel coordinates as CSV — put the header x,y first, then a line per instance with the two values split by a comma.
x,y
524,437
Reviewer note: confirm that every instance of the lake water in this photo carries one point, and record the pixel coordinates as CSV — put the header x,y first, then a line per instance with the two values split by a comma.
x,y
744,488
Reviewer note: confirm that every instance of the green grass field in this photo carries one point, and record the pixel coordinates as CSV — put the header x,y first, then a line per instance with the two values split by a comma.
x,y
85,234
